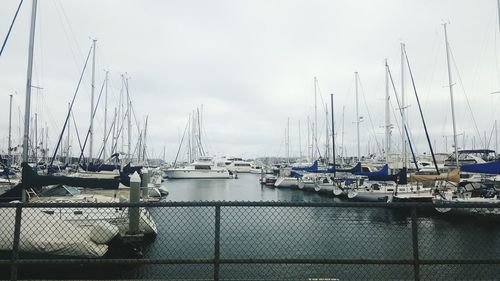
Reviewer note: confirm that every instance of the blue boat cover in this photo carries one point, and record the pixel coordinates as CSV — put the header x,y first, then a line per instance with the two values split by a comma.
x,y
313,168
354,170
483,168
384,171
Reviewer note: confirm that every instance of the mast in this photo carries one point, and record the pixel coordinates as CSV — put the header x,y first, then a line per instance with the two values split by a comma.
x,y
387,115
104,155
129,122
28,86
300,143
114,139
309,151
67,137
144,143
357,116
403,113
36,139
333,133
342,140
315,127
327,139
91,134
9,150
288,140
450,82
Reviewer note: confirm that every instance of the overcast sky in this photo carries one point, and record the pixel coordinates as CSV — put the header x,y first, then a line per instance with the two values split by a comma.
x,y
251,64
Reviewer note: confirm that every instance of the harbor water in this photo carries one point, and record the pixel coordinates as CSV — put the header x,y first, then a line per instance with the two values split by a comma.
x,y
298,232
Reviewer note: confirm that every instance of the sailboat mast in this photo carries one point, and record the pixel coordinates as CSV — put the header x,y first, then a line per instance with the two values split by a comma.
x,y
67,137
10,130
91,135
300,143
28,87
387,115
450,81
327,138
315,127
129,122
333,132
403,109
309,151
144,143
357,117
342,140
104,154
288,140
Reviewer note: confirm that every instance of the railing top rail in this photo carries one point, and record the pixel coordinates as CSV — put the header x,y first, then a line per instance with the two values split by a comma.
x,y
258,204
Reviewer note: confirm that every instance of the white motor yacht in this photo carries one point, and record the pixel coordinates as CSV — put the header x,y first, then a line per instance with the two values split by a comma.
x,y
204,168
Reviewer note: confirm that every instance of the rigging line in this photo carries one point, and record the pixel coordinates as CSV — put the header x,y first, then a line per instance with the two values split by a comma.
x,y
75,60
71,106
77,133
10,28
421,114
465,94
369,115
395,118
401,113
118,134
70,27
180,145
107,137
93,116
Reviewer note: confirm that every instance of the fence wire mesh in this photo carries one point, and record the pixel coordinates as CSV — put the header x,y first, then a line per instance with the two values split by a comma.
x,y
249,241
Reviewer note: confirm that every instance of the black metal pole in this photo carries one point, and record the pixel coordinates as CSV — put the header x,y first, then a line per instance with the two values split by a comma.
x,y
15,246
414,236
217,243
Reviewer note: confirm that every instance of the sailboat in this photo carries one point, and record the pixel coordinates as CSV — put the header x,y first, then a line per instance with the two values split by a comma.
x,y
203,166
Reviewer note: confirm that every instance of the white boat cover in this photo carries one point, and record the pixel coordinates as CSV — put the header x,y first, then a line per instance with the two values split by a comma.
x,y
44,234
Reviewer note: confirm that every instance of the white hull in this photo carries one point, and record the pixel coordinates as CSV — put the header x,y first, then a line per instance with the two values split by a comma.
x,y
197,174
470,211
293,182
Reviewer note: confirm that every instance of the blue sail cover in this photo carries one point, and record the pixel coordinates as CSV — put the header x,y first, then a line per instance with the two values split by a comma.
x,y
483,168
312,168
384,171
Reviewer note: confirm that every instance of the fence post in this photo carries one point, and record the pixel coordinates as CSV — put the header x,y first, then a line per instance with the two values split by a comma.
x,y
217,243
15,246
414,235
134,212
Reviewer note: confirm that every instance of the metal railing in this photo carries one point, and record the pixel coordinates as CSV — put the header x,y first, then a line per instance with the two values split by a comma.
x,y
283,240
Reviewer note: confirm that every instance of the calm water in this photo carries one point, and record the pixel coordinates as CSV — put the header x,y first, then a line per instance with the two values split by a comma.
x,y
324,233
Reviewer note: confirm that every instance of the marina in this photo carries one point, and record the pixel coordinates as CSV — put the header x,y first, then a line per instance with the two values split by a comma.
x,y
211,141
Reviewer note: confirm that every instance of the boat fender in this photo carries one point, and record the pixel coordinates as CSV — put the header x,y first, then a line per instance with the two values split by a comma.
x,y
103,232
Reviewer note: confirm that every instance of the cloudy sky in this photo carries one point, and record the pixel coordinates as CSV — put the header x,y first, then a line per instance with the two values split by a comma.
x,y
251,65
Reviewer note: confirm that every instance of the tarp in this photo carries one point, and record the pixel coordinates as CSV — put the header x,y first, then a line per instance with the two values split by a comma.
x,y
384,171
453,176
42,233
30,179
354,170
492,168
99,167
383,175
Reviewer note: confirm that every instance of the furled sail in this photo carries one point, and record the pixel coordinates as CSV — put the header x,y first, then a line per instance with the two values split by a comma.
x,y
453,176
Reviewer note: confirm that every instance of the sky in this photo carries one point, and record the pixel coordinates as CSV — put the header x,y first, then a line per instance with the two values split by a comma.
x,y
250,67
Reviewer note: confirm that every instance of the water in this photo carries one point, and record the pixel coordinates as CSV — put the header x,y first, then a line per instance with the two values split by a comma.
x,y
298,232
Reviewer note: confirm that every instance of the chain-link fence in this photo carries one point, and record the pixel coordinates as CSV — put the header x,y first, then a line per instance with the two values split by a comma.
x,y
250,241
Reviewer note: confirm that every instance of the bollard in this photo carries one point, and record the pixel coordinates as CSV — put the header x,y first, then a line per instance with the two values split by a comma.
x,y
145,183
133,212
